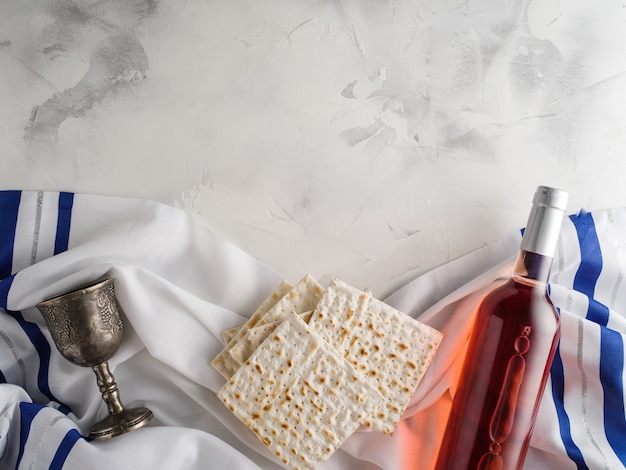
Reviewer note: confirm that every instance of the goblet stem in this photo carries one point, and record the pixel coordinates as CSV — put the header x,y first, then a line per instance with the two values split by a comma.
x,y
108,388
120,420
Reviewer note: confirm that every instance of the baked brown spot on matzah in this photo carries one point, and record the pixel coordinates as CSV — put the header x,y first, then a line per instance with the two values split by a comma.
x,y
390,349
299,299
299,395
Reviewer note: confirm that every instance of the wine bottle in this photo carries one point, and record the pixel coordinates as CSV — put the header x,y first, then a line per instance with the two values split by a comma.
x,y
510,351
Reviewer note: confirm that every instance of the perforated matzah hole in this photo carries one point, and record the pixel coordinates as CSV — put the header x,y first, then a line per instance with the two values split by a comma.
x,y
390,349
299,396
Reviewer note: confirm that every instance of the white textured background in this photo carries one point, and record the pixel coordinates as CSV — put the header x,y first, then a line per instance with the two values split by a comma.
x,y
369,140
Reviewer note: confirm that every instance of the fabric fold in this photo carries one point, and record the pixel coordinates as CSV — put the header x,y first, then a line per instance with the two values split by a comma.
x,y
180,285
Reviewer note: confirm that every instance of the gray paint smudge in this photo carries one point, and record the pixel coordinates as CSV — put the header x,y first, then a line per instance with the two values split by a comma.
x,y
454,106
348,91
116,59
356,135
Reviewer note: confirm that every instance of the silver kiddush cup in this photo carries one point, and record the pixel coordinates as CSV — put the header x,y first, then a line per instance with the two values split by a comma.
x,y
86,327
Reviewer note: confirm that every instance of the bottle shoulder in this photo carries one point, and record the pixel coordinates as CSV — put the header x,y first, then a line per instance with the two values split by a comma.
x,y
513,307
518,285
516,293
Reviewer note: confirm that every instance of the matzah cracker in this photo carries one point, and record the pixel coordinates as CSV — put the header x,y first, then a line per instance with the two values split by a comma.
x,y
230,333
281,290
391,349
255,336
299,395
299,299
252,339
302,298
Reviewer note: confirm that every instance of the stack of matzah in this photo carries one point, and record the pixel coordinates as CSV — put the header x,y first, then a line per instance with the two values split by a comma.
x,y
311,365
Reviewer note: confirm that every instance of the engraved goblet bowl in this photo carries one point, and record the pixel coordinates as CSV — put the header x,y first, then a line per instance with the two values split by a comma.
x,y
86,328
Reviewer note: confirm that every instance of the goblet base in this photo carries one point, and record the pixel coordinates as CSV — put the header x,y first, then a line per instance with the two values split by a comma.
x,y
120,423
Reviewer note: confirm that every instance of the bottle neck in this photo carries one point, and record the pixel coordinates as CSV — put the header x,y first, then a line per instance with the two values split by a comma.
x,y
542,230
532,267
541,235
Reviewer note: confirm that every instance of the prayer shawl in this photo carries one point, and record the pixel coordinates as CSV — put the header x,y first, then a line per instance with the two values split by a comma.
x,y
180,285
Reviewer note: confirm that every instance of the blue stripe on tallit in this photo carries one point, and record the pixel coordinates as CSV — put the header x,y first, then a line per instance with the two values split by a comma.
x,y
28,411
64,220
565,428
42,347
5,286
611,342
67,444
9,210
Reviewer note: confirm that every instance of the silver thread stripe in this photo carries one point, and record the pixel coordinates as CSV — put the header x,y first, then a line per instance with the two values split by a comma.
x,y
40,444
584,396
34,248
16,355
616,288
560,260
620,275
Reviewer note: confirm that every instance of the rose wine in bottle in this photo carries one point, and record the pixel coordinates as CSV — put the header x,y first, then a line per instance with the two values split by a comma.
x,y
509,354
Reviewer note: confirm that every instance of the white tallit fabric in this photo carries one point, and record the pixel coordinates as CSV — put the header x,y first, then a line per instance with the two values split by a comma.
x,y
180,285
